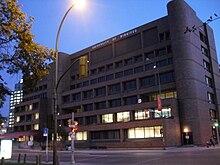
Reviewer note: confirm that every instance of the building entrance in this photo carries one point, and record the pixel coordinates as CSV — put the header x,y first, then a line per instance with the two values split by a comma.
x,y
187,138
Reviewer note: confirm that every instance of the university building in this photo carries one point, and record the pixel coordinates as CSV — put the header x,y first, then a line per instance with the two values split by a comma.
x,y
117,104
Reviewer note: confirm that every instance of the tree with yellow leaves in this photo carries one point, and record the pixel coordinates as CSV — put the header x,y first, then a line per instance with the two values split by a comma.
x,y
18,51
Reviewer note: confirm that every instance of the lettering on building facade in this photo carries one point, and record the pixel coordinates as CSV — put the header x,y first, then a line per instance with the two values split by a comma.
x,y
121,36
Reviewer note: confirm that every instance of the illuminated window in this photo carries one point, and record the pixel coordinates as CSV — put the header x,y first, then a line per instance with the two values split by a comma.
x,y
81,135
166,112
107,118
149,132
157,131
144,132
123,116
36,126
139,132
36,116
142,114
18,119
30,107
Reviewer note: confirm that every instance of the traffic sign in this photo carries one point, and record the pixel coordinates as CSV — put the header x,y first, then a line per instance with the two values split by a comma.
x,y
45,132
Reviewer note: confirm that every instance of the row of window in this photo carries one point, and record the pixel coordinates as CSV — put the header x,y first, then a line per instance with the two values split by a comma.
x,y
41,95
131,60
131,133
26,118
28,107
26,128
128,72
124,116
138,115
117,88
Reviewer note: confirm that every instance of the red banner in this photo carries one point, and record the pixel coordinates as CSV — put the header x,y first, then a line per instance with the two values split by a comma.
x,y
159,104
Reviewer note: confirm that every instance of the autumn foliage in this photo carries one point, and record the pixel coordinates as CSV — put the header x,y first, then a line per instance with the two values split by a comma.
x,y
18,51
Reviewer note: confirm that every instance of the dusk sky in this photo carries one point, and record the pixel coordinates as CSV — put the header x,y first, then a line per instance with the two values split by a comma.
x,y
100,20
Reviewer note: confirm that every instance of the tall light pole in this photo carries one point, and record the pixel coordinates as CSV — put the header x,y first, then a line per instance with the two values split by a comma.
x,y
157,77
55,155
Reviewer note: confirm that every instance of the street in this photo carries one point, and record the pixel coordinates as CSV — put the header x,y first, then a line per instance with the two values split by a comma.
x,y
171,156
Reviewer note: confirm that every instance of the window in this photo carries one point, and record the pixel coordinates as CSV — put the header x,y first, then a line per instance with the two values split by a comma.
x,y
30,107
107,118
204,50
123,116
66,99
141,114
109,77
128,61
149,55
212,114
164,62
101,69
138,58
114,103
114,89
93,81
93,72
109,67
128,72
144,132
147,81
150,66
105,135
88,107
130,100
87,94
119,74
164,36
211,97
91,120
81,135
79,85
166,112
18,119
86,83
161,52
76,97
208,82
100,105
101,79
206,66
36,126
203,38
36,116
139,69
100,91
129,85
118,64
167,77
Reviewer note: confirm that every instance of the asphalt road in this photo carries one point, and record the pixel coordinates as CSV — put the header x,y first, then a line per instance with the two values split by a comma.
x,y
171,156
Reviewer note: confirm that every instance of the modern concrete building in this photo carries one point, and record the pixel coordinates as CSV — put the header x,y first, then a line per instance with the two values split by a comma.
x,y
117,104
15,98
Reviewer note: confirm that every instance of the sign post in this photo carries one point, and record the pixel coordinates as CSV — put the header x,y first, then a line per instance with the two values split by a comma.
x,y
46,134
72,141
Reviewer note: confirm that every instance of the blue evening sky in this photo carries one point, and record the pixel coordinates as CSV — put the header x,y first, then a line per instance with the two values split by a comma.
x,y
100,20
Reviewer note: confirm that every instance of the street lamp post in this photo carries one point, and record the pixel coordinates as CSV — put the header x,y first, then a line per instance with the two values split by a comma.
x,y
157,76
55,155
